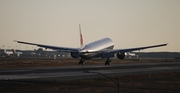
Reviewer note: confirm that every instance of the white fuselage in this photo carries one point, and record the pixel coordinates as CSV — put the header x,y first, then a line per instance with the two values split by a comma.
x,y
95,48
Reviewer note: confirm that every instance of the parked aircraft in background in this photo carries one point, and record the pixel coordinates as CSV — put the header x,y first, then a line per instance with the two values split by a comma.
x,y
17,54
10,52
101,48
130,54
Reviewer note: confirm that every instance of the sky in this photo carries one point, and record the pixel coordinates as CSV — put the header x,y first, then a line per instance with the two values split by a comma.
x,y
129,23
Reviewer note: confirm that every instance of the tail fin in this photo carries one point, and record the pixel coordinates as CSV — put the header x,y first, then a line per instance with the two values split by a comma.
x,y
81,37
14,51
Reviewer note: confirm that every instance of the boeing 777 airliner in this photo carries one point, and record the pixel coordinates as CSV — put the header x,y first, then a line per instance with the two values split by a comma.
x,y
102,48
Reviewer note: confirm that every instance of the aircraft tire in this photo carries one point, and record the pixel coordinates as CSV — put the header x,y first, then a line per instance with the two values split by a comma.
x,y
109,63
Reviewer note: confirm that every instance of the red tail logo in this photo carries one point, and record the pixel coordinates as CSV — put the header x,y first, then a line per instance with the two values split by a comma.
x,y
81,37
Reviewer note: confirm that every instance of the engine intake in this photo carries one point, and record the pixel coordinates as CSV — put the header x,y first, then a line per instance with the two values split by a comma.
x,y
75,54
120,55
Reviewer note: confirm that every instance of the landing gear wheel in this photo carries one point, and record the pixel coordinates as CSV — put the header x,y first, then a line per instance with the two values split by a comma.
x,y
108,62
81,62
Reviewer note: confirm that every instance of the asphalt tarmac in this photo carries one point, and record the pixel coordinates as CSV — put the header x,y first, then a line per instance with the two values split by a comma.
x,y
81,72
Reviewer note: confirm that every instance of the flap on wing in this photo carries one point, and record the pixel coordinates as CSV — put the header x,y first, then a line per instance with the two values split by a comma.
x,y
138,48
64,49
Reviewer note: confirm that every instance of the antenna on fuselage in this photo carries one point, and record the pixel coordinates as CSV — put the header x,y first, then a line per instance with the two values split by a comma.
x,y
81,37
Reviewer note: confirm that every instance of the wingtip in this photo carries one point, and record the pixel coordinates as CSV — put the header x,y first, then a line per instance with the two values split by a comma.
x,y
15,40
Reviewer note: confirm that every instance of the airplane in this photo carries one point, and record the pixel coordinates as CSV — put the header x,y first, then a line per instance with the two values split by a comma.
x,y
102,48
10,53
17,54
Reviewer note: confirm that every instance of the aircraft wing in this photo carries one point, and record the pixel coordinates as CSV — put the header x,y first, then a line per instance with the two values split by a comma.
x,y
63,49
138,48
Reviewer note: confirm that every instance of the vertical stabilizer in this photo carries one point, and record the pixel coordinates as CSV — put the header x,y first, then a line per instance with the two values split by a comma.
x,y
81,37
14,51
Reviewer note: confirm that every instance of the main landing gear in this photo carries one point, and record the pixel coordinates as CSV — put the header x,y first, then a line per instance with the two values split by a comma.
x,y
108,62
81,62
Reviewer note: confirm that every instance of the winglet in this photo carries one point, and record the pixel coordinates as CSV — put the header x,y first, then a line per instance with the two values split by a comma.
x,y
81,37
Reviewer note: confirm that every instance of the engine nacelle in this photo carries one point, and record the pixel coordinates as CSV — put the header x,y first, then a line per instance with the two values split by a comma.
x,y
75,54
120,55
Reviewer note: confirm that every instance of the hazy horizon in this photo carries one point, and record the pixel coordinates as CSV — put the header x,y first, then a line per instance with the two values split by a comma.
x,y
129,23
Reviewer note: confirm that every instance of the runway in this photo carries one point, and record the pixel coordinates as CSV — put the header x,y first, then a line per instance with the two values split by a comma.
x,y
80,72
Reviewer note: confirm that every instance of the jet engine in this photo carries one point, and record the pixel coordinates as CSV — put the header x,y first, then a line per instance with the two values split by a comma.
x,y
75,54
120,55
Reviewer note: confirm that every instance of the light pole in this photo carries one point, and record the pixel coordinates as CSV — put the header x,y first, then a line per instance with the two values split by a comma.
x,y
117,83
